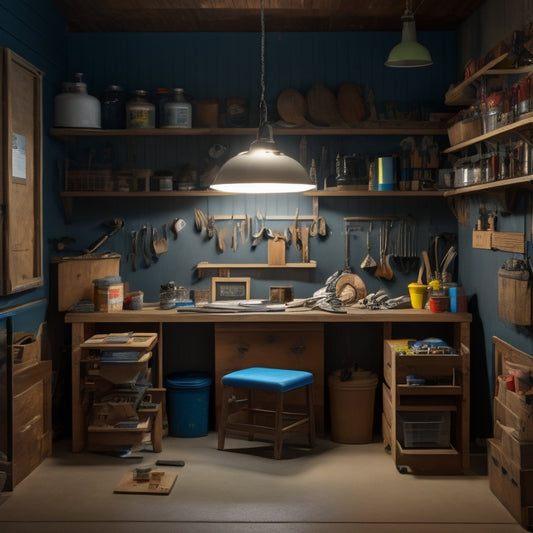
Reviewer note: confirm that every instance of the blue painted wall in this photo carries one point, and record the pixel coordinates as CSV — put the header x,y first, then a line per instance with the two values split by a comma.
x,y
35,30
221,65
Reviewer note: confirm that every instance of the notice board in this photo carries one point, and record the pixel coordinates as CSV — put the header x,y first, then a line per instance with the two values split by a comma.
x,y
21,162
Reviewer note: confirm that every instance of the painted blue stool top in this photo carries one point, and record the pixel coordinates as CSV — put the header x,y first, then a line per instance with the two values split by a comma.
x,y
270,379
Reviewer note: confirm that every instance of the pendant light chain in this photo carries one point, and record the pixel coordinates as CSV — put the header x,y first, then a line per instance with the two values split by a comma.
x,y
263,116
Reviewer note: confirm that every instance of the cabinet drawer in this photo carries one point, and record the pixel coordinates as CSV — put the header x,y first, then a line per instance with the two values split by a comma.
x,y
390,347
511,485
520,420
292,346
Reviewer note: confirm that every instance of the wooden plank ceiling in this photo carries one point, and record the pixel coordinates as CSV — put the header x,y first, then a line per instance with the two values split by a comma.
x,y
244,15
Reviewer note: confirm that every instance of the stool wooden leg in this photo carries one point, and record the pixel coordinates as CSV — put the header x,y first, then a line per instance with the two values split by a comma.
x,y
311,411
226,395
278,434
251,412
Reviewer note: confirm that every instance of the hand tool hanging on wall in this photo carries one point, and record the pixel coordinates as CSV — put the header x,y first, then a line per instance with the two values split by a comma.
x,y
133,254
159,243
116,224
369,263
144,240
177,225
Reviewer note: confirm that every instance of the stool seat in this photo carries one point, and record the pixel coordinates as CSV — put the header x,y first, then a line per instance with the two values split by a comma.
x,y
251,414
269,379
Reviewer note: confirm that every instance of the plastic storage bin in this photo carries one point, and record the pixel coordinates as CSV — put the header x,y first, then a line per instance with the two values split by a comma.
x,y
188,403
425,430
352,407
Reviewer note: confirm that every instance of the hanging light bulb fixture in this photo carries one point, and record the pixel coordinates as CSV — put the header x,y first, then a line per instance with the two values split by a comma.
x,y
263,168
409,53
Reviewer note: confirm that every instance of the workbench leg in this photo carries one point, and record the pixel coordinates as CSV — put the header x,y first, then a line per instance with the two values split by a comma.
x,y
79,426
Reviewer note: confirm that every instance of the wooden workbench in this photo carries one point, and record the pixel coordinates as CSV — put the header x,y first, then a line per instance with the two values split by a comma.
x,y
225,324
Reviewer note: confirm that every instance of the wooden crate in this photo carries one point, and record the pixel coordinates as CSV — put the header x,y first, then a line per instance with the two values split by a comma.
x,y
32,419
73,276
88,180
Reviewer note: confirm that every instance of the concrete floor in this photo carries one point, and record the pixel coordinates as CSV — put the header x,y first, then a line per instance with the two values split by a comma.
x,y
334,488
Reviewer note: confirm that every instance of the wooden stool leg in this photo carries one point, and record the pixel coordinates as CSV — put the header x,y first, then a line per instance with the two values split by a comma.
x,y
226,395
251,412
278,434
311,411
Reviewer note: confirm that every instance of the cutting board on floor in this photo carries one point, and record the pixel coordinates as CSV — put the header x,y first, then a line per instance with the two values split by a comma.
x,y
128,485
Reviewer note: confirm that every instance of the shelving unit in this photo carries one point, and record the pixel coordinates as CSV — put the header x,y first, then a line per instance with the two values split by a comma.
x,y
117,416
435,448
378,128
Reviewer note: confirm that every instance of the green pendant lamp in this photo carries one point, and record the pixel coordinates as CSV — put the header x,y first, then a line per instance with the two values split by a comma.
x,y
263,168
409,53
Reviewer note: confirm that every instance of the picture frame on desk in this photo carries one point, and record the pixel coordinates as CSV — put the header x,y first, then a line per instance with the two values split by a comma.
x,y
225,289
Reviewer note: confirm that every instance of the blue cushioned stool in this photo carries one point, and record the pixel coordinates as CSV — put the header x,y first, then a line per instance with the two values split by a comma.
x,y
275,382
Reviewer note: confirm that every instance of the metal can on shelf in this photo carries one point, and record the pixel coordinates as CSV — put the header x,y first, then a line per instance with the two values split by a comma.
x,y
177,112
140,113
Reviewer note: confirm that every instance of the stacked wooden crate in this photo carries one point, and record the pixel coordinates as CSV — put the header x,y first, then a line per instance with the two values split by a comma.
x,y
510,452
31,431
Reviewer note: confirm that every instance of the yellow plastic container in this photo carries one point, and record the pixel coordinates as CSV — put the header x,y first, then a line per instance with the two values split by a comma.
x,y
418,294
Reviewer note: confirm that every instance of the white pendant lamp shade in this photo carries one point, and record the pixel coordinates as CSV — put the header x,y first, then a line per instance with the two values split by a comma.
x,y
409,53
263,169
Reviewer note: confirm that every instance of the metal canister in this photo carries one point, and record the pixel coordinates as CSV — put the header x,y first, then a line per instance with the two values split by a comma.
x,y
177,112
140,113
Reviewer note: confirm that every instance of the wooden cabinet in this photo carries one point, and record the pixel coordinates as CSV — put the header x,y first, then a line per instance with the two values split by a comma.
x,y
123,409
510,452
291,346
32,419
426,426
21,161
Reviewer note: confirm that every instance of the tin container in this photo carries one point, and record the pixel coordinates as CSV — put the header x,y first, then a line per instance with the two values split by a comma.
x,y
177,112
140,113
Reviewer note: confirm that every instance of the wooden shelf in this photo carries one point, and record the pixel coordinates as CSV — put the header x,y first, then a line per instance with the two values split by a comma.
x,y
515,127
457,95
380,127
522,181
141,194
334,191
429,390
204,265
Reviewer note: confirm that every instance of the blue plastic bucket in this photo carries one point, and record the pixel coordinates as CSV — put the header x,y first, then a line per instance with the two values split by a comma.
x,y
188,403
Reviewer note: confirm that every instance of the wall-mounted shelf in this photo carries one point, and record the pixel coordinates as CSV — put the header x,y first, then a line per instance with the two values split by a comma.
x,y
224,268
334,191
380,127
461,93
522,181
525,123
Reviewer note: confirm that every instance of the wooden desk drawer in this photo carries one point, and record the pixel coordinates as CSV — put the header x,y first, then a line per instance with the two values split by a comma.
x,y
293,346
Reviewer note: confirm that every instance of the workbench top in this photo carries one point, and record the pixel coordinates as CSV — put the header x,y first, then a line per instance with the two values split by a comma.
x,y
152,313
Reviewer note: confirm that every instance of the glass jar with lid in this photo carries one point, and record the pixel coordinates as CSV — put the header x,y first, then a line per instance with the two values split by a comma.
x,y
177,111
140,113
113,102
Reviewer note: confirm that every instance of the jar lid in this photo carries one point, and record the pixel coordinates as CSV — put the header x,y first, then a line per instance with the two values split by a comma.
x,y
114,88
